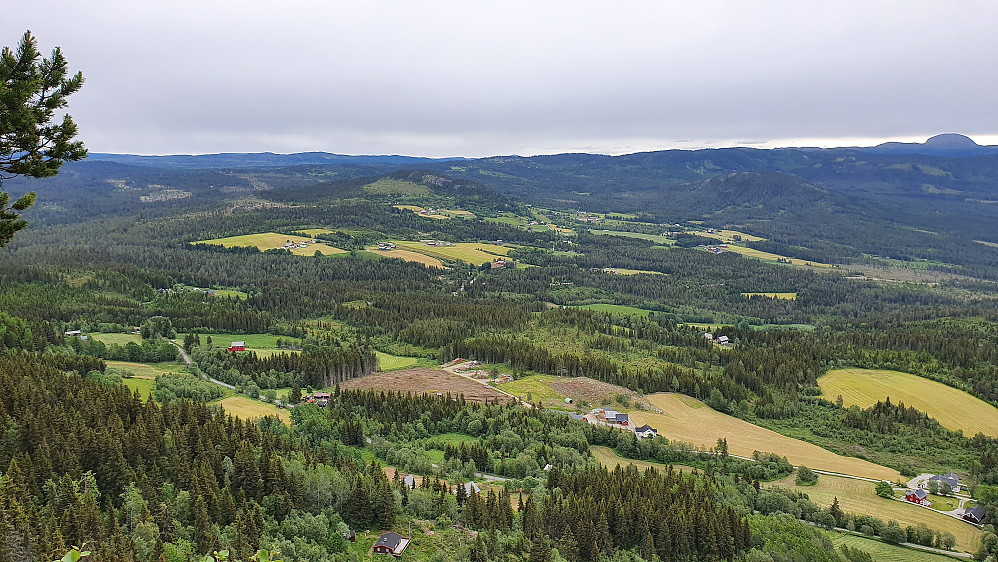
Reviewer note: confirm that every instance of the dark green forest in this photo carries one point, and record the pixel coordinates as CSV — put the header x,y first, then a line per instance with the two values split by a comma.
x,y
84,459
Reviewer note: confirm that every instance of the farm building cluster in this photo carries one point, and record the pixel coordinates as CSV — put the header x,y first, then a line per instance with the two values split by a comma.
x,y
618,419
386,245
288,245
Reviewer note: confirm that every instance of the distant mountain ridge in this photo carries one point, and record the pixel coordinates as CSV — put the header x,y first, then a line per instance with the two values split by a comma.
x,y
258,159
946,144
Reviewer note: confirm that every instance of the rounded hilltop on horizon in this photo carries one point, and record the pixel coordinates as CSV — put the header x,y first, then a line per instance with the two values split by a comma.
x,y
951,140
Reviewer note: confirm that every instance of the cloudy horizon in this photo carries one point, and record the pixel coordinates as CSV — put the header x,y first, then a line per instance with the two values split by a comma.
x,y
464,79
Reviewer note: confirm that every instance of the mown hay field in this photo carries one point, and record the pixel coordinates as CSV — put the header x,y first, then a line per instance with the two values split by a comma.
x,y
686,419
408,255
657,238
475,253
145,370
953,408
858,496
246,408
120,339
388,362
273,240
753,253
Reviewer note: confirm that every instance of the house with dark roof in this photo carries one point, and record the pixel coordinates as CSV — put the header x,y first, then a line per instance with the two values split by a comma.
x,y
974,515
950,479
918,496
392,544
645,431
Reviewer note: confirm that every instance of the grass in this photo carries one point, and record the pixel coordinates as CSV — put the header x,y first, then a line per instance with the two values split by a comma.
x,y
539,391
728,236
625,271
657,238
144,386
954,409
313,232
475,253
615,309
608,458
120,339
408,255
246,408
883,552
253,341
778,296
146,370
419,210
986,243
387,362
230,293
857,496
389,186
766,256
688,420
273,240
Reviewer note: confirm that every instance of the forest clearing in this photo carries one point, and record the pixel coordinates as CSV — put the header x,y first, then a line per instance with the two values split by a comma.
x,y
475,253
272,241
408,255
688,420
246,408
429,381
778,296
953,408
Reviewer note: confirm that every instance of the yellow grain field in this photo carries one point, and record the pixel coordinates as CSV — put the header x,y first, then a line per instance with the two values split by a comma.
x,y
408,255
857,496
953,408
246,408
753,253
274,240
688,420
475,253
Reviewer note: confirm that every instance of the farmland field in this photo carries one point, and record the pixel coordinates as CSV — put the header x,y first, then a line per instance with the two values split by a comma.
x,y
143,385
475,253
253,342
625,271
688,420
728,236
272,241
766,256
145,370
857,496
388,362
315,231
608,458
954,409
614,308
408,255
657,238
778,296
120,339
246,408
430,381
539,388
883,552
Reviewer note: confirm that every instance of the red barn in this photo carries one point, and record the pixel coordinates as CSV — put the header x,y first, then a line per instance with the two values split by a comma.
x,y
917,496
238,346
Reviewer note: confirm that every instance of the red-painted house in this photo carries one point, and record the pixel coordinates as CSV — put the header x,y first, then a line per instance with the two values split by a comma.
x,y
238,346
918,496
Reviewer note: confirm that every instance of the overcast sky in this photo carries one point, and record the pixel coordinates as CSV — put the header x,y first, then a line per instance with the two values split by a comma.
x,y
473,78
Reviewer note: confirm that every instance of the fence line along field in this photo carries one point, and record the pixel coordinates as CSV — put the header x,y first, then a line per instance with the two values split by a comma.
x,y
272,241
858,496
686,419
430,381
953,408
